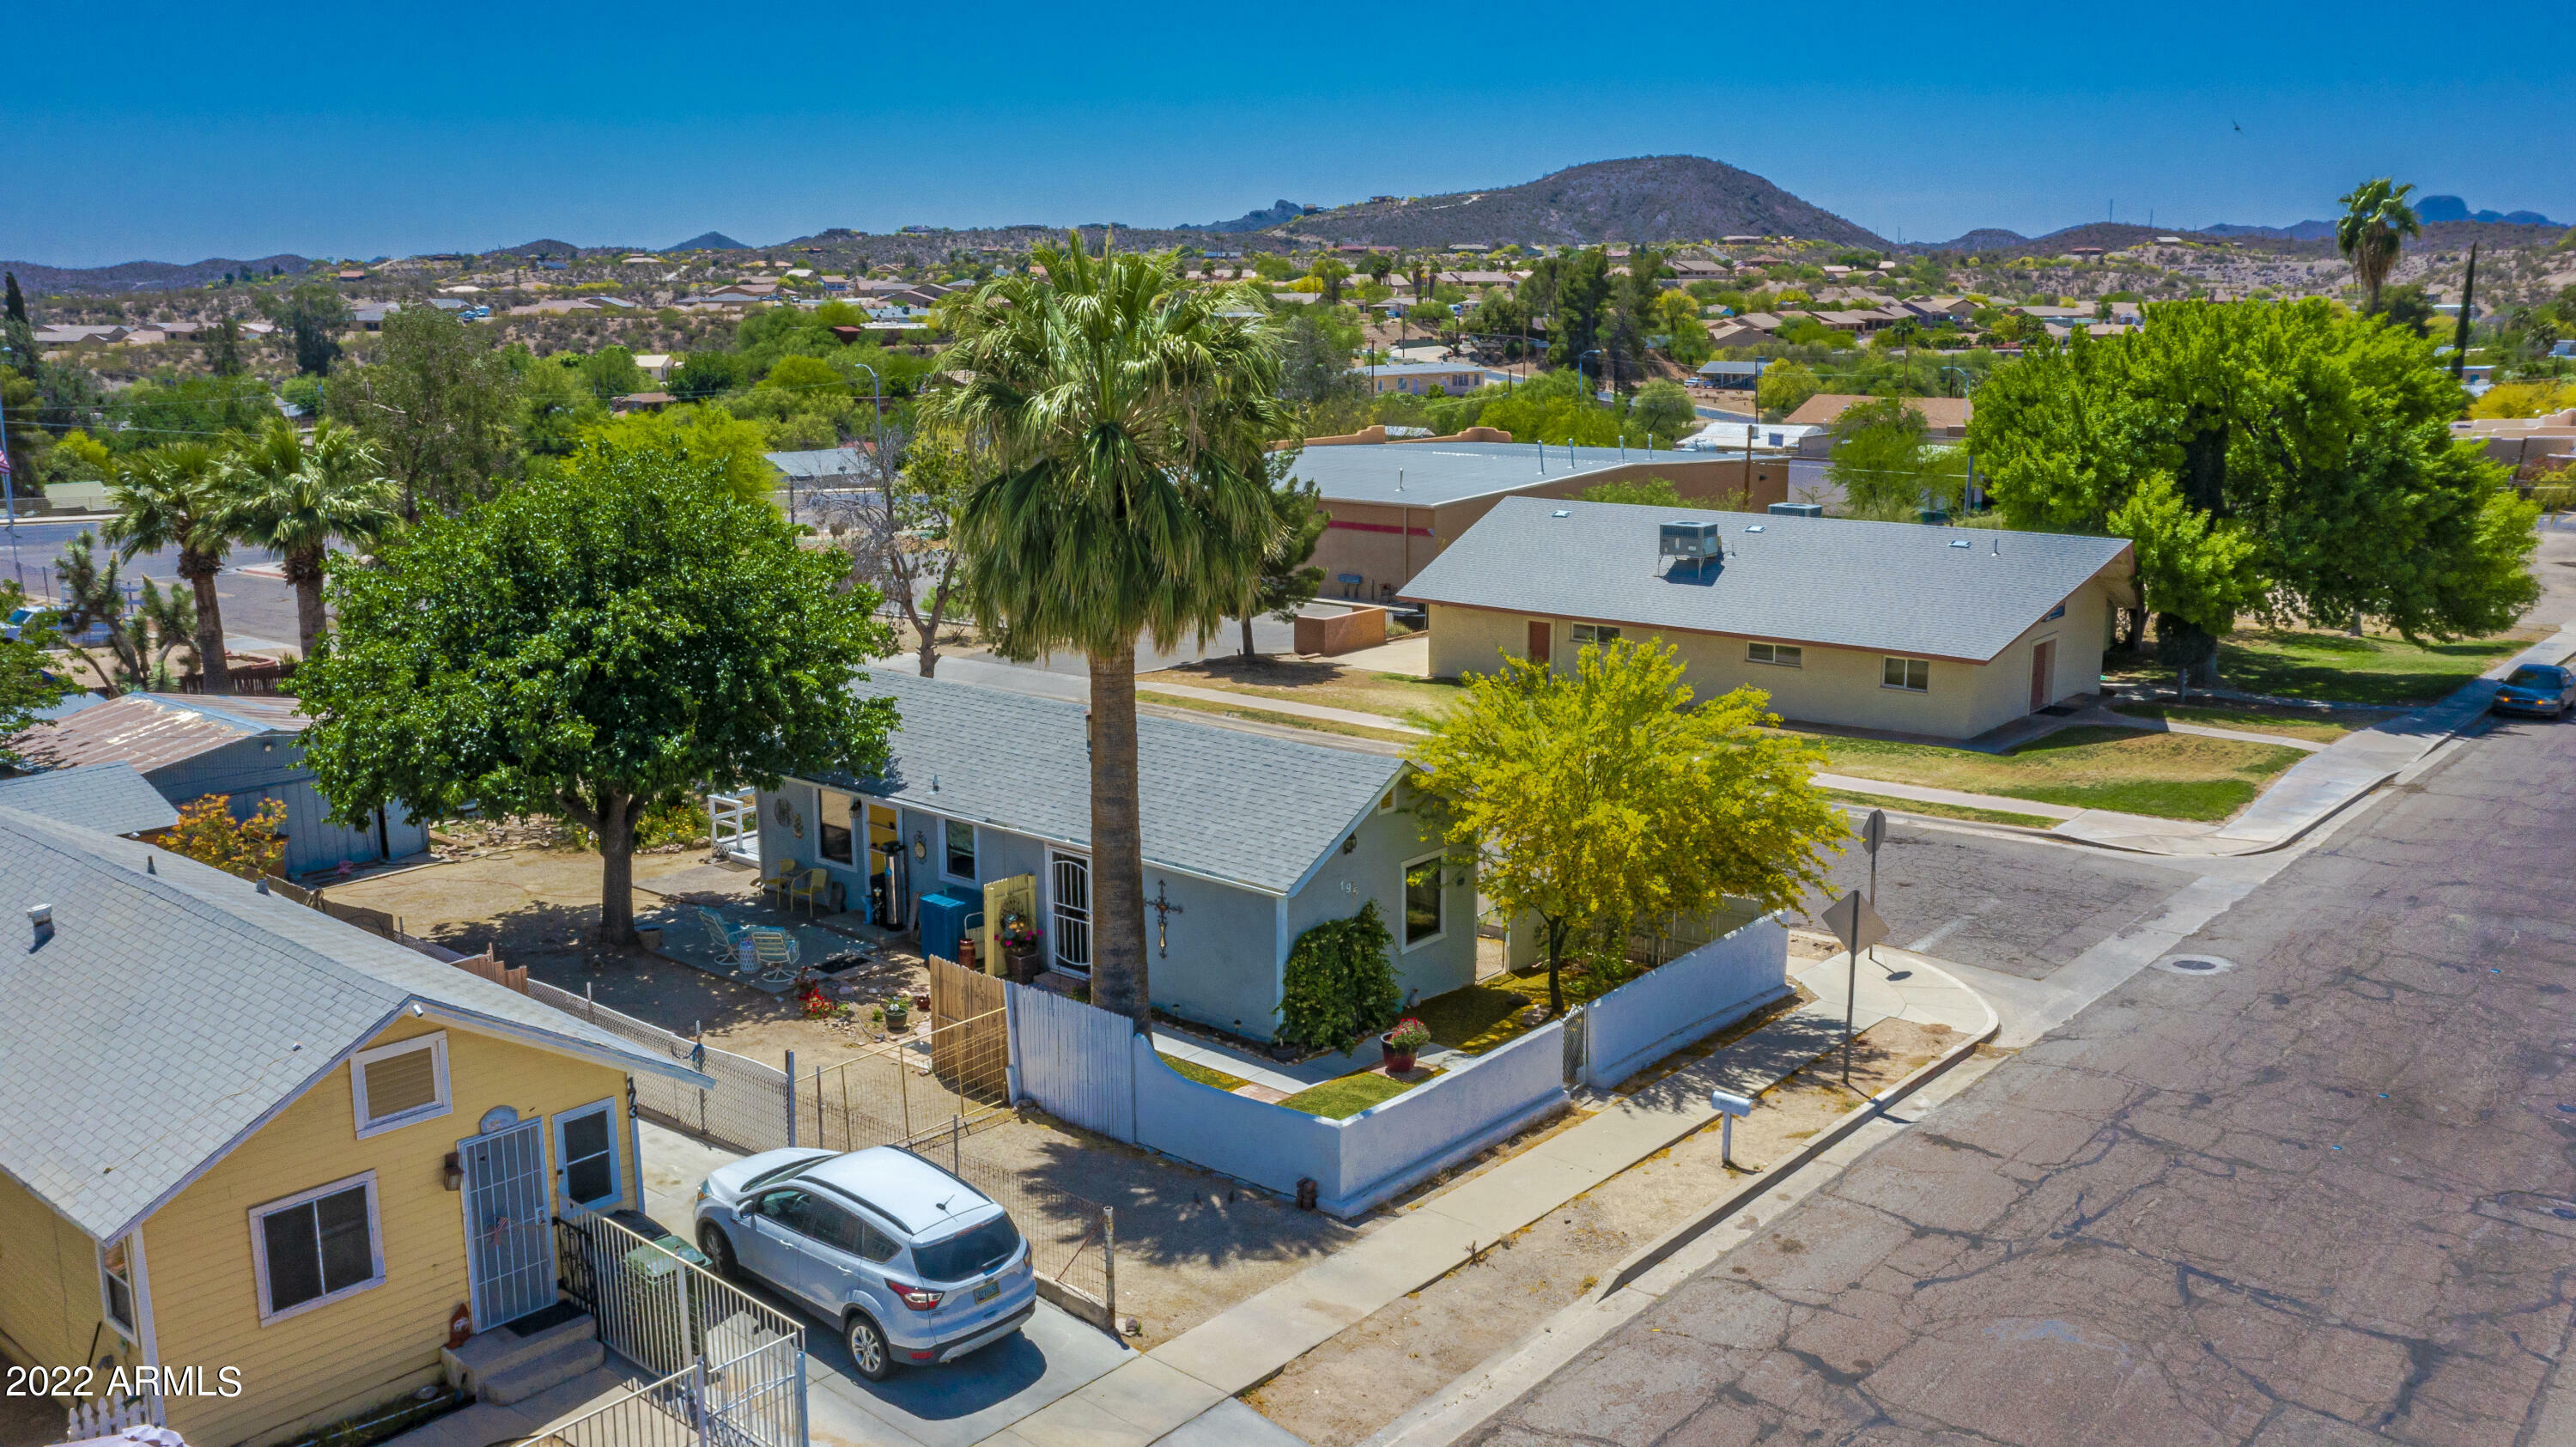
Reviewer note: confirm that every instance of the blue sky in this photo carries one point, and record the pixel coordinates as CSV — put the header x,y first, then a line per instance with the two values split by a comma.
x,y
187,131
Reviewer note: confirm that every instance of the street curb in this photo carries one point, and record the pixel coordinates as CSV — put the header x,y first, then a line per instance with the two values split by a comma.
x,y
1656,1252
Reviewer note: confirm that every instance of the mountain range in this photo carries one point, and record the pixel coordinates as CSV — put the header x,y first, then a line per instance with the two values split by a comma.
x,y
1640,199
1276,213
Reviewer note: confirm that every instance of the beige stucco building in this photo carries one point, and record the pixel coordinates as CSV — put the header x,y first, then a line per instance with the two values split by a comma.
x,y
1942,632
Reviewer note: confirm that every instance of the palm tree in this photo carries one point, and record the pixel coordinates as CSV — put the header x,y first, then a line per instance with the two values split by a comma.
x,y
296,497
167,498
2376,221
1127,420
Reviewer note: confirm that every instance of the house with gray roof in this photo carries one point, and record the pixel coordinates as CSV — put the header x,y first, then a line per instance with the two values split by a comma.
x,y
110,798
1249,841
1937,631
237,1132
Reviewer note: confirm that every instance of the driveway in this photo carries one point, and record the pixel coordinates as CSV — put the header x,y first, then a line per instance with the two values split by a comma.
x,y
961,1402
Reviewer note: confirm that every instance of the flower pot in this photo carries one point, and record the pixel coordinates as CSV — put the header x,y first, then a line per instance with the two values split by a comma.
x,y
1397,1061
1020,962
898,1019
921,1001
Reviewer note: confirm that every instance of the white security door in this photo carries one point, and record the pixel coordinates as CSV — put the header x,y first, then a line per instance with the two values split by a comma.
x,y
509,1227
1070,941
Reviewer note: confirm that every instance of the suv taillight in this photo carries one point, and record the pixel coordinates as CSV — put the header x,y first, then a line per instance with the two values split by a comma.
x,y
919,1298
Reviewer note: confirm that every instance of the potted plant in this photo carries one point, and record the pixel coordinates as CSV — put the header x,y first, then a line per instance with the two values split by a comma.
x,y
898,1015
1018,941
1400,1043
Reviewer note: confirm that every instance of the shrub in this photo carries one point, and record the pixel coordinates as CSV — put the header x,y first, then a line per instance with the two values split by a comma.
x,y
208,833
1409,1034
1340,988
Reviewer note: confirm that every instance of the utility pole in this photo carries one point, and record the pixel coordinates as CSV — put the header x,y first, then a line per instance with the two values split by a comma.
x,y
2460,338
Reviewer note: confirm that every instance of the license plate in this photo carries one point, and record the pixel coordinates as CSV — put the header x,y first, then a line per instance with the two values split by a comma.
x,y
987,1292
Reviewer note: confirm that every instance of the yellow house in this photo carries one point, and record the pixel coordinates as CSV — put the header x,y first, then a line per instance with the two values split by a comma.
x,y
1896,627
269,1156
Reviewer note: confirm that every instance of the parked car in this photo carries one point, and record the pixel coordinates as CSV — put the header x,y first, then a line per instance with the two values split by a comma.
x,y
21,618
916,1266
2537,688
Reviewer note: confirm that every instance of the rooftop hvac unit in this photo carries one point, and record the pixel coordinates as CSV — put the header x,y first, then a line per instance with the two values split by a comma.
x,y
1695,541
1798,509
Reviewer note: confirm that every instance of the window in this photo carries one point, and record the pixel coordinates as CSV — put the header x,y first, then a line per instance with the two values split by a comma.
x,y
1914,675
586,1154
1594,633
1422,902
1784,654
960,839
395,1085
116,1283
317,1247
834,839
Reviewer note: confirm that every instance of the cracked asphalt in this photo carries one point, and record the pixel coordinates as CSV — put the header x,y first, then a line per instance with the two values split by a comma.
x,y
2324,1197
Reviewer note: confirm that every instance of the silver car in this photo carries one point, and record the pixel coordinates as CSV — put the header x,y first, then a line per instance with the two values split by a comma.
x,y
916,1266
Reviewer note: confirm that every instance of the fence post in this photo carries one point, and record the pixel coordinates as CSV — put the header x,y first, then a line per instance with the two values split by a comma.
x,y
1011,1042
1109,1263
956,1139
589,1001
1578,1026
698,1397
820,1138
698,1062
791,1097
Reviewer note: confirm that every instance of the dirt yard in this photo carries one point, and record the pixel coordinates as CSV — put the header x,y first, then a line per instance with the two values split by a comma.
x,y
1345,1390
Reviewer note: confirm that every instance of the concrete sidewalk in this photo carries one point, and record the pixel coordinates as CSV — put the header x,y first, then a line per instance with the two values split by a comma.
x,y
1321,713
1183,1391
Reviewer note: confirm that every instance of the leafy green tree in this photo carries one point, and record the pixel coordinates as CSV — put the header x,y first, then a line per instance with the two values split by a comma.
x,y
156,410
171,497
297,496
1332,272
27,682
1128,422
224,348
1314,364
2373,228
314,316
736,451
1785,387
30,446
1635,492
17,332
441,409
593,646
1287,582
1662,410
91,591
555,406
706,374
805,377
611,372
2323,439
1886,465
1583,294
1600,799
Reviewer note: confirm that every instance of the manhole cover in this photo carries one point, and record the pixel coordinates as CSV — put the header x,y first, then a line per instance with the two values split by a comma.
x,y
2195,964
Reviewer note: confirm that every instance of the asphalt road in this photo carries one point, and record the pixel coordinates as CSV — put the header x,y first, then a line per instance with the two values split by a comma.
x,y
2324,1196
259,612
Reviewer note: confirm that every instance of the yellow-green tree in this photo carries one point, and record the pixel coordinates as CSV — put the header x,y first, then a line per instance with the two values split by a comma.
x,y
208,832
1601,798
708,436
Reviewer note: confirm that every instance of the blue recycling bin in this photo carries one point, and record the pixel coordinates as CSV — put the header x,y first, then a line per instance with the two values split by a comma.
x,y
943,924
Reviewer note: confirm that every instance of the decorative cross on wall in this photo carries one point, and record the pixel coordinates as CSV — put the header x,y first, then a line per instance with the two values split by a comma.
x,y
1163,909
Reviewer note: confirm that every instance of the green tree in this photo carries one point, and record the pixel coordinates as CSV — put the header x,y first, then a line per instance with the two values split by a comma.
x,y
314,316
1784,388
171,497
1128,422
1338,987
297,496
1886,465
1662,410
27,682
1635,492
902,534
2373,228
2322,439
441,409
92,592
1314,363
17,332
224,348
2409,307
593,646
1332,272
1287,581
611,372
1583,294
1600,800
737,450
555,406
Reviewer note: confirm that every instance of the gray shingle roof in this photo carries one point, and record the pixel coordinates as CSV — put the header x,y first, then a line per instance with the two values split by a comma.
x,y
822,463
1891,587
110,798
172,1011
1436,473
1219,802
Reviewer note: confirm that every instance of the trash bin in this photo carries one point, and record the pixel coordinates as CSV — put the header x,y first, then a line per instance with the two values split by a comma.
x,y
943,924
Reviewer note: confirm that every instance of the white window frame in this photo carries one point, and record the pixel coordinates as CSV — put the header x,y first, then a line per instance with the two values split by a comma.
x,y
1601,633
434,1042
259,1246
946,824
1910,665
132,1330
1797,655
605,1107
1404,923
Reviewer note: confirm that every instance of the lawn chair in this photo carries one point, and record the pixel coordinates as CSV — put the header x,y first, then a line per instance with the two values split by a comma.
x,y
728,940
811,888
777,879
774,952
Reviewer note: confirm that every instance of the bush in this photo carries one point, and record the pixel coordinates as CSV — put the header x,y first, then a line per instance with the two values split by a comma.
x,y
1340,988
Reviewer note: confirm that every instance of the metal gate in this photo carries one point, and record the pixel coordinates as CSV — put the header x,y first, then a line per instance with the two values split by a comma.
x,y
509,1228
1072,906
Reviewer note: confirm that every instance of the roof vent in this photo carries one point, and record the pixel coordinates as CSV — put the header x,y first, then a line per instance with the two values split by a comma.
x,y
1958,542
1560,513
40,918
1755,528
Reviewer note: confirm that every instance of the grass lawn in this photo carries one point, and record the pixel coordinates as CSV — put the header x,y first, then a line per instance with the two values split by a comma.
x,y
2171,776
2322,728
1486,1014
1348,1095
1283,720
1328,684
1200,1073
2338,668
1943,811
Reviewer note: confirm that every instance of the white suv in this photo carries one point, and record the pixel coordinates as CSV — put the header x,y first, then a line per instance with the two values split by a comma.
x,y
915,1265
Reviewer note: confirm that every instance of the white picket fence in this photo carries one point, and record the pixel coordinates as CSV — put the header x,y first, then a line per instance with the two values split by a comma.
x,y
105,1417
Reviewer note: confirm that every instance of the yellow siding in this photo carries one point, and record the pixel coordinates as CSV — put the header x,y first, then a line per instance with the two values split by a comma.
x,y
337,1359
50,1313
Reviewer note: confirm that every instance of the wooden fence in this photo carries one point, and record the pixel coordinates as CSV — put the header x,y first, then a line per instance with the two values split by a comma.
x,y
975,1056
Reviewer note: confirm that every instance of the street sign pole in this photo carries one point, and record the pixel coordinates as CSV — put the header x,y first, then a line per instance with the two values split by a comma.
x,y
1858,927
1873,833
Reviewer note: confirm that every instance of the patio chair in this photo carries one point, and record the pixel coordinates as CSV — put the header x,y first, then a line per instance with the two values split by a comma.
x,y
728,940
777,880
811,888
775,952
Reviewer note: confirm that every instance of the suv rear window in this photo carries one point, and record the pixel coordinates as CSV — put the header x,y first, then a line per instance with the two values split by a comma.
x,y
969,1253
